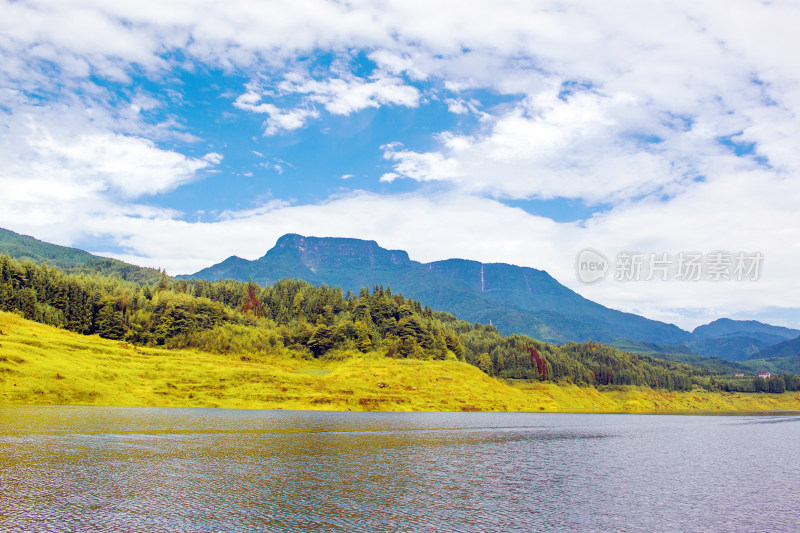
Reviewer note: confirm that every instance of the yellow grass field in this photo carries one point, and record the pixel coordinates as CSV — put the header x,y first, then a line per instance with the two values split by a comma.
x,y
42,365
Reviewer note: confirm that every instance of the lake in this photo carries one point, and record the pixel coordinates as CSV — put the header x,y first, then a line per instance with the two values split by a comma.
x,y
142,469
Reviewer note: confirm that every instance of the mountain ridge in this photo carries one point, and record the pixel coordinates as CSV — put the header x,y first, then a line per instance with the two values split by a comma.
x,y
738,340
72,260
723,327
787,348
513,298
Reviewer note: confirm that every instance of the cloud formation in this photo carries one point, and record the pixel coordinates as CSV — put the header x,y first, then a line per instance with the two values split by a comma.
x,y
62,175
279,120
343,94
678,120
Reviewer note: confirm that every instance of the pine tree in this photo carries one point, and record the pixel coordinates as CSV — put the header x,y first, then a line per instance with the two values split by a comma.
x,y
110,323
321,340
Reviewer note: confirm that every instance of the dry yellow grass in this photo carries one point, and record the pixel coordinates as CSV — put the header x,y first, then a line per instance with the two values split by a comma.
x,y
43,365
552,397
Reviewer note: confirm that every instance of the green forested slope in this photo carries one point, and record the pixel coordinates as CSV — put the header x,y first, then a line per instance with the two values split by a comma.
x,y
515,299
70,259
318,322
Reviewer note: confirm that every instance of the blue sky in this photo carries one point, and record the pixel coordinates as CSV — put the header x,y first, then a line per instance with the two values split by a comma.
x,y
334,153
175,134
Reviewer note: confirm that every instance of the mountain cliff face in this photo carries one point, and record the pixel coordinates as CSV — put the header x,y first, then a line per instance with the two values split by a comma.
x,y
515,299
333,253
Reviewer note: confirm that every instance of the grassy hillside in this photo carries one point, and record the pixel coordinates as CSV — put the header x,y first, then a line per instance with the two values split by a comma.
x,y
44,365
41,364
304,320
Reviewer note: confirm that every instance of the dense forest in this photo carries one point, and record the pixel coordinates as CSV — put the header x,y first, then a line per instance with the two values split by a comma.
x,y
295,318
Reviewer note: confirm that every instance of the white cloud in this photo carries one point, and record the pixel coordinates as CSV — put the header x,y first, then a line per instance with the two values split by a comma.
x,y
347,94
273,166
458,225
460,106
586,90
586,145
421,167
131,166
62,174
250,101
288,120
389,177
280,120
398,64
341,95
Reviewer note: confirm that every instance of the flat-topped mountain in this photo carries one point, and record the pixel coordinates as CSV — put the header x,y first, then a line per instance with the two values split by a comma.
x,y
514,299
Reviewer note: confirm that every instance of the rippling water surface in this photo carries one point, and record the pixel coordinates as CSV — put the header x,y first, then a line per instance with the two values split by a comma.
x,y
117,469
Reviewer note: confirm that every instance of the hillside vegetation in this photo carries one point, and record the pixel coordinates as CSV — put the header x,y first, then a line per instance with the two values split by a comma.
x,y
296,320
45,365
72,260
515,299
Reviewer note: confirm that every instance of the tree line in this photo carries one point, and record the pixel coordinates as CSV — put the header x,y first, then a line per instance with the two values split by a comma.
x,y
295,318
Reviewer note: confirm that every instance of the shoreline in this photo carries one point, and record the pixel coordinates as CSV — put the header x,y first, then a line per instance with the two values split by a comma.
x,y
686,412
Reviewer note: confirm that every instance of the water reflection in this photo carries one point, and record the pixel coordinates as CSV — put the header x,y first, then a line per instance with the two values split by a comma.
x,y
111,469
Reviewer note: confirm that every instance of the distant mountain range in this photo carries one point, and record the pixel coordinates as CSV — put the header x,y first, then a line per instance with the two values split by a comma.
x,y
512,298
738,340
784,349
